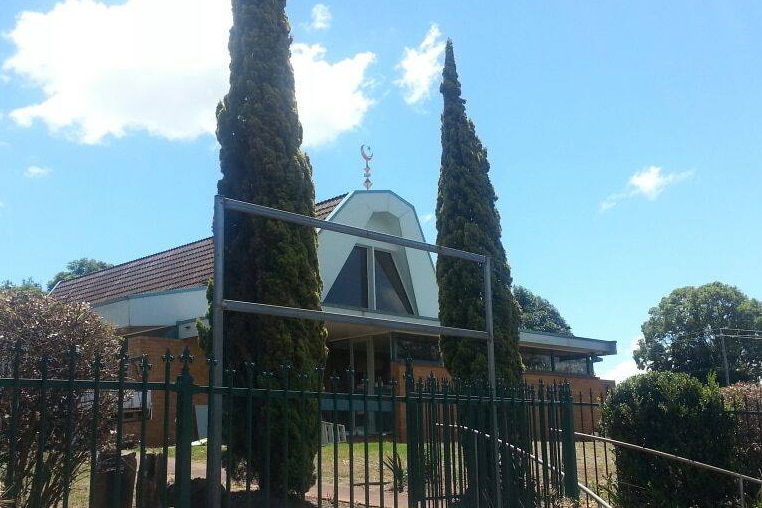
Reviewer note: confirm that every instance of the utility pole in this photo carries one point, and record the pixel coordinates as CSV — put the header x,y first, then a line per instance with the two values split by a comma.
x,y
735,333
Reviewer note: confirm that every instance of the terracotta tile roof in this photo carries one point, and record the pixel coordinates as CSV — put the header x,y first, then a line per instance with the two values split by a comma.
x,y
187,266
324,208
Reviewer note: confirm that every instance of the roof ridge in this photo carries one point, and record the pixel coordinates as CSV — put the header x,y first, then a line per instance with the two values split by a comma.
x,y
121,265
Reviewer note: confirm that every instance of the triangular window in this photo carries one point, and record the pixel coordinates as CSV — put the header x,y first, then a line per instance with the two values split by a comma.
x,y
390,293
351,287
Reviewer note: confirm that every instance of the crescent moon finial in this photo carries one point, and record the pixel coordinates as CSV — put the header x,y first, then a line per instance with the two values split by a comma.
x,y
367,155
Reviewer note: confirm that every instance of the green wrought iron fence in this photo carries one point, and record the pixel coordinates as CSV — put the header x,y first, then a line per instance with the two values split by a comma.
x,y
68,442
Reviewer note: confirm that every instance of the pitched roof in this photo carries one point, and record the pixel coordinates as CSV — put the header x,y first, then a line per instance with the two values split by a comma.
x,y
187,266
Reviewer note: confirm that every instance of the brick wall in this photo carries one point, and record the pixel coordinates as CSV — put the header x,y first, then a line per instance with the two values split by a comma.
x,y
155,348
586,417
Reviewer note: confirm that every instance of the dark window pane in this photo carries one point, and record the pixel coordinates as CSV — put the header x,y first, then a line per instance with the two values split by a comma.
x,y
351,286
416,347
390,293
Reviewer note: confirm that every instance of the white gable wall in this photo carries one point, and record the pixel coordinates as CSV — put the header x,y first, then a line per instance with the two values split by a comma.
x,y
384,212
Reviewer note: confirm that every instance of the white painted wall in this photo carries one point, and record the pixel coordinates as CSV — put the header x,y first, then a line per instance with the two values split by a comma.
x,y
156,309
384,212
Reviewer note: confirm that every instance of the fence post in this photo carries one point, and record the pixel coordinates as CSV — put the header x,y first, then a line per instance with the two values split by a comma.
x,y
571,487
184,434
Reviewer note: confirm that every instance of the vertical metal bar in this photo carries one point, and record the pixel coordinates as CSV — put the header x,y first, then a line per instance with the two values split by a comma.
x,y
124,358
72,359
286,375
541,407
395,454
492,380
95,424
584,443
571,488
184,433
214,441
11,483
380,430
320,377
229,431
38,468
447,438
167,358
211,412
249,428
351,376
268,440
595,442
366,421
145,367
335,394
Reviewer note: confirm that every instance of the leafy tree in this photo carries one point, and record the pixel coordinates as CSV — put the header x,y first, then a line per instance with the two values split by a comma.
x,y
673,413
269,261
467,219
539,314
78,268
34,327
682,333
26,284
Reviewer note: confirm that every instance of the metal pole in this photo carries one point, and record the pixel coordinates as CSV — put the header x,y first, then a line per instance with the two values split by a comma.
x,y
725,359
727,383
214,439
492,376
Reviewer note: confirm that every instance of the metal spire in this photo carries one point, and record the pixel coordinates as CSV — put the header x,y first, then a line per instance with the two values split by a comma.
x,y
367,155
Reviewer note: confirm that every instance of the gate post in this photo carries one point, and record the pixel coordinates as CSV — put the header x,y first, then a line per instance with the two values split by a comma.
x,y
571,487
184,434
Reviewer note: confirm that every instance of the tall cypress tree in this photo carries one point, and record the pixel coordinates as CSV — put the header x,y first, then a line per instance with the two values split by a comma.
x,y
269,261
467,219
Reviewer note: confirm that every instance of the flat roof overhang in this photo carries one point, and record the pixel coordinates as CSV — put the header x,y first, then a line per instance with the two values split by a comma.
x,y
339,331
527,338
557,342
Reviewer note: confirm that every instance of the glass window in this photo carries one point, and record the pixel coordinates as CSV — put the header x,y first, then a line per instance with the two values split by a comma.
x,y
416,347
351,286
390,293
538,361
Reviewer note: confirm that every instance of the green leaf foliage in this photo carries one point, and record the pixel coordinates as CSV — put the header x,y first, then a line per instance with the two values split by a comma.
x,y
34,327
467,219
539,314
682,333
28,284
745,400
78,268
677,414
269,261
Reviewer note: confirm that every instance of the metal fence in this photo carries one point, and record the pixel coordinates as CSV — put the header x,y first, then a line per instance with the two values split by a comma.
x,y
596,452
423,442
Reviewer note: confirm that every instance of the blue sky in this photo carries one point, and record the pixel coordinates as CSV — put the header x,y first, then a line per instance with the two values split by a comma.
x,y
624,137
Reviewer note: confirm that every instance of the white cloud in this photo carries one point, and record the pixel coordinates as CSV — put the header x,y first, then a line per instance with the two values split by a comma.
x,y
159,66
648,183
321,17
429,217
36,172
2,205
624,368
421,67
331,97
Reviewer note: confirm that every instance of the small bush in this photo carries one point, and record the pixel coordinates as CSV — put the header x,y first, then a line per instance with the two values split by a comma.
x,y
745,401
32,326
673,413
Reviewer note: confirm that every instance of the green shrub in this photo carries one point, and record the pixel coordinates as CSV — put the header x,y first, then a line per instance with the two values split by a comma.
x,y
673,413
33,326
745,401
